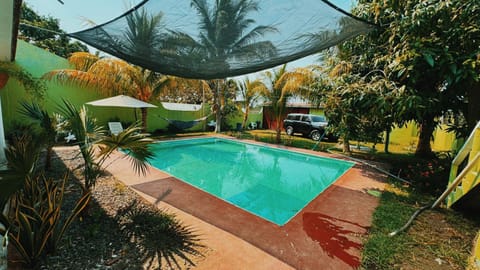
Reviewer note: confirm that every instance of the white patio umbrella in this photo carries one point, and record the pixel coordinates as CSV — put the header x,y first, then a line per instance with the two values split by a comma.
x,y
122,101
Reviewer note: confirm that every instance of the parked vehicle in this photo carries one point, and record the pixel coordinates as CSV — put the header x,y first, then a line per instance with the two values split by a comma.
x,y
313,126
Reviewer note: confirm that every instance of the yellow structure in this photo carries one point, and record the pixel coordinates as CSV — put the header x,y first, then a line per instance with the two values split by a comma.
x,y
462,183
476,253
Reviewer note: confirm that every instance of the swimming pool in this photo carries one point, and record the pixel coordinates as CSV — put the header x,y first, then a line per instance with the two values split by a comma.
x,y
274,184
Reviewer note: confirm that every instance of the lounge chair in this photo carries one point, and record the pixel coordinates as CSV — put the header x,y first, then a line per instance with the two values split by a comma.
x,y
70,137
115,127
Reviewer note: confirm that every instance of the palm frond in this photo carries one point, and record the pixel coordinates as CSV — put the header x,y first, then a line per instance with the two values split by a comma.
x,y
133,142
83,60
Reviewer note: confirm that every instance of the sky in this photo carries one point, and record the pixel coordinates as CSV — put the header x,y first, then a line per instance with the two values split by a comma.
x,y
74,14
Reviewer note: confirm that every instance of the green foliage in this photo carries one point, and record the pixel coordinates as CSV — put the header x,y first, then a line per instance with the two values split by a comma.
x,y
36,226
165,240
48,127
225,29
357,107
250,93
424,241
381,251
49,37
33,86
22,154
96,146
428,176
281,85
427,46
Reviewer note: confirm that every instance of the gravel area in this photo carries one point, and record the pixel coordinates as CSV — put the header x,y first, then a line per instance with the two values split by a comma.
x,y
121,231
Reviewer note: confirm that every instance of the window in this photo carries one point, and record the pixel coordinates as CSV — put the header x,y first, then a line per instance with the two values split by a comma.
x,y
295,117
317,118
306,118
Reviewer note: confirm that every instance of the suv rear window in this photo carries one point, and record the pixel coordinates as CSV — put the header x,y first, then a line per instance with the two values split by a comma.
x,y
295,117
306,118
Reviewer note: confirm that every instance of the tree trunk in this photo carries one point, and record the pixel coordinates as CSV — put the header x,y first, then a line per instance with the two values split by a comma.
x,y
218,119
473,114
346,146
144,119
245,117
387,139
48,158
217,106
427,126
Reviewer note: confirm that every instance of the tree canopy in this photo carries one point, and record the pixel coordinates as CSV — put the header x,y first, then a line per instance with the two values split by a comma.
x,y
429,47
50,37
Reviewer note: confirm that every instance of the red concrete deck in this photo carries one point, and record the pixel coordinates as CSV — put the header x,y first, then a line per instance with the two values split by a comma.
x,y
326,234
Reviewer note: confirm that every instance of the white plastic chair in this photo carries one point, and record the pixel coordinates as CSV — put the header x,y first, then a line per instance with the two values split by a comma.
x,y
115,127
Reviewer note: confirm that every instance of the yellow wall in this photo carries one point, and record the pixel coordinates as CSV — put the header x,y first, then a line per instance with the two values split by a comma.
x,y
408,135
317,111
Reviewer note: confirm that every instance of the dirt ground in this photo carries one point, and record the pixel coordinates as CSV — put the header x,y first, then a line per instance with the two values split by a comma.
x,y
437,240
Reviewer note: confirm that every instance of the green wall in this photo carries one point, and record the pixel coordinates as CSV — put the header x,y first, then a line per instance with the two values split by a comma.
x,y
38,62
253,116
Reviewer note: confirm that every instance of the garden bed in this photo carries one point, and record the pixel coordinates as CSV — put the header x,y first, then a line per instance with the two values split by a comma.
x,y
121,230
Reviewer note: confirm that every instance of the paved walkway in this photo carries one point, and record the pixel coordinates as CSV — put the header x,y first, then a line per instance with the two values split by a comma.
x,y
326,234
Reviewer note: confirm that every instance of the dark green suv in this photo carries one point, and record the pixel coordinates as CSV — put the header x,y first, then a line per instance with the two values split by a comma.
x,y
309,125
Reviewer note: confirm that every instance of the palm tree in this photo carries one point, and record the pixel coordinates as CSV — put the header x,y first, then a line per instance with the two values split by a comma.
x,y
115,76
223,37
96,147
48,127
250,92
282,85
111,77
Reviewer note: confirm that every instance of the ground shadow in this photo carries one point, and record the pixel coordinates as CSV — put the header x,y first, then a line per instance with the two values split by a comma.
x,y
329,234
332,235
113,234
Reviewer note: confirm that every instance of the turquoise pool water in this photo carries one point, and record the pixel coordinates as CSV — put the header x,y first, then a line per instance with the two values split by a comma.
x,y
274,184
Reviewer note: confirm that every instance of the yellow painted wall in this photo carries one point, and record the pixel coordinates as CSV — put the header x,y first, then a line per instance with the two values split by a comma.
x,y
317,111
408,135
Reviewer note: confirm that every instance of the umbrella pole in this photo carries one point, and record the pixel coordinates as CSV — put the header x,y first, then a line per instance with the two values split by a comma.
x,y
135,112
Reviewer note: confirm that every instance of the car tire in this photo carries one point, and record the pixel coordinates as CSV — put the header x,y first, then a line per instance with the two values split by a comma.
x,y
315,135
289,130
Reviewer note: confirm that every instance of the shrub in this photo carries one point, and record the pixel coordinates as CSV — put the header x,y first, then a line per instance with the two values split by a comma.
x,y
36,226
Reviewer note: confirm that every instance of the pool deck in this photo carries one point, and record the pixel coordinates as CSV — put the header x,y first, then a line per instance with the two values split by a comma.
x,y
326,234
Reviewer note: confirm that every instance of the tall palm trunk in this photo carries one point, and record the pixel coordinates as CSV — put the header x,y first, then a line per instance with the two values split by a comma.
x,y
278,129
218,105
144,119
245,116
427,126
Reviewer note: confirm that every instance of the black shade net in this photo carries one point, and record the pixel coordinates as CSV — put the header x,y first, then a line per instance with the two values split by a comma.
x,y
207,39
